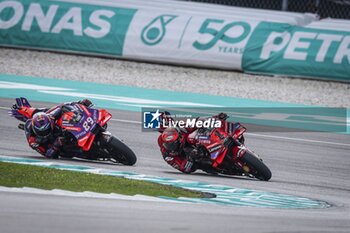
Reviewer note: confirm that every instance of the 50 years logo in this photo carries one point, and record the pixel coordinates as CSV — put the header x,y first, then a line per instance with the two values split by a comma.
x,y
243,29
229,32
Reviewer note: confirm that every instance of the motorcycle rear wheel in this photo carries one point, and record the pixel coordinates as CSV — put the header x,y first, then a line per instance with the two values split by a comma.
x,y
261,171
121,152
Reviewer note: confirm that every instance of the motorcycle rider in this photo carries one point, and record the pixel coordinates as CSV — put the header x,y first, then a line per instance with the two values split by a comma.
x,y
41,130
178,152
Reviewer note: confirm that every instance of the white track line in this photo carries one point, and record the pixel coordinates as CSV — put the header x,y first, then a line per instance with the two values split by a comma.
x,y
298,139
252,134
127,121
86,194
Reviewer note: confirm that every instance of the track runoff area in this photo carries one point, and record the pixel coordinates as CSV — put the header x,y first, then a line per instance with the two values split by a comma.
x,y
303,174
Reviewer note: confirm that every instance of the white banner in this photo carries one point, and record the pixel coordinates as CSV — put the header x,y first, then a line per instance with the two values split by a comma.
x,y
188,39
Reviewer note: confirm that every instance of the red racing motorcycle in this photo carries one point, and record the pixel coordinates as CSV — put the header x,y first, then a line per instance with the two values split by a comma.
x,y
227,152
85,133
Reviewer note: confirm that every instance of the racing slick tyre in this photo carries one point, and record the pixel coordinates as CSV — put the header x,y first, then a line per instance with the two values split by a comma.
x,y
260,170
121,152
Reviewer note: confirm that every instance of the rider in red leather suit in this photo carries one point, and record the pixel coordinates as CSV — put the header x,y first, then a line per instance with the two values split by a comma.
x,y
179,152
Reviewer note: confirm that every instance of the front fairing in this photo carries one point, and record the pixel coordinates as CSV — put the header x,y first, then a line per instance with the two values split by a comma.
x,y
238,130
83,122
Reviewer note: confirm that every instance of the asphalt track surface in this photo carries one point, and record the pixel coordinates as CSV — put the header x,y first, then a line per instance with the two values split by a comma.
x,y
312,165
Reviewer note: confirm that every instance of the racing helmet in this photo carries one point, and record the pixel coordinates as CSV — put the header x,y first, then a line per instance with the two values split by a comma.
x,y
172,139
42,124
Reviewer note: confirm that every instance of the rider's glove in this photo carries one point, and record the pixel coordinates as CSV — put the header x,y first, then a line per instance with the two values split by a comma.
x,y
14,112
15,107
222,116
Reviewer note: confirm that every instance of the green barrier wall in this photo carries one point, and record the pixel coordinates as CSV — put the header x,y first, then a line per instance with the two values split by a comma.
x,y
276,48
185,38
64,26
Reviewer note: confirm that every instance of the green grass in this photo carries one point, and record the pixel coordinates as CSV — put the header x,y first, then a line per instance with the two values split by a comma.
x,y
19,175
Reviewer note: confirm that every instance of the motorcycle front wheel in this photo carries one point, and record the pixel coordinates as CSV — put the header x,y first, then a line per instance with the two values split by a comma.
x,y
259,169
121,152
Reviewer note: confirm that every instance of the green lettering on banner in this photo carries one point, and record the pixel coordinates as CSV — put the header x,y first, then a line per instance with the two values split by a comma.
x,y
277,48
64,26
217,35
154,32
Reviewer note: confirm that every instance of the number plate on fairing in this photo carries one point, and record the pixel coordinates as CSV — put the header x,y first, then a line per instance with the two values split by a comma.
x,y
83,124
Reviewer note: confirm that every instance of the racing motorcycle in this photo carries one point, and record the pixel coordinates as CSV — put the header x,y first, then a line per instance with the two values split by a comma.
x,y
85,132
224,147
227,152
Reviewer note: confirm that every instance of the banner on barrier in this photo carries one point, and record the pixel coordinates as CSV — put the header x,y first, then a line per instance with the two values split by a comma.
x,y
171,36
188,39
277,48
64,26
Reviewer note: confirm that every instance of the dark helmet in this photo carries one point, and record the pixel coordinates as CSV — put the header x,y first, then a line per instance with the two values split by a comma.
x,y
172,139
42,124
